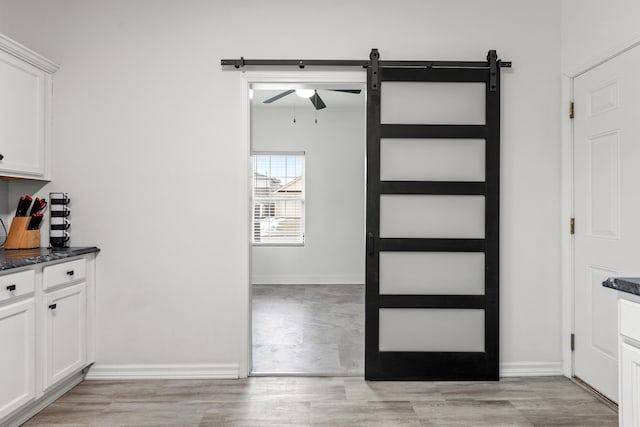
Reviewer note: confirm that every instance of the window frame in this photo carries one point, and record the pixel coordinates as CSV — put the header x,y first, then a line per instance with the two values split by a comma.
x,y
303,222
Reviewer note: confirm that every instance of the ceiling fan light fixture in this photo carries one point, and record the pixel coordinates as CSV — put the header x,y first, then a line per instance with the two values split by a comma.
x,y
305,93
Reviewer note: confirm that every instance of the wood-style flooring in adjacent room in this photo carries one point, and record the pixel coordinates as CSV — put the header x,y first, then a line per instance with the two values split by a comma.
x,y
308,329
296,401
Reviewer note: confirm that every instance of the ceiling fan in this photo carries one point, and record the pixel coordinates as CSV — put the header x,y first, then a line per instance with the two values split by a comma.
x,y
311,94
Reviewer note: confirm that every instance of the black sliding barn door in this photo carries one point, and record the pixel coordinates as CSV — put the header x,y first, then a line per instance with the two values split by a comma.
x,y
433,181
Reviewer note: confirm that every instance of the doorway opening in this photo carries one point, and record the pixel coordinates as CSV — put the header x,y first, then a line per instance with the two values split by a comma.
x,y
307,227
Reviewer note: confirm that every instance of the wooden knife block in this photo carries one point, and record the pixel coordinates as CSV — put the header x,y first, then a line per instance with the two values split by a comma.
x,y
21,238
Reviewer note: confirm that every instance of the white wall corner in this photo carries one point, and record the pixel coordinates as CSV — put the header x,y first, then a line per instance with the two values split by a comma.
x,y
530,369
168,371
605,55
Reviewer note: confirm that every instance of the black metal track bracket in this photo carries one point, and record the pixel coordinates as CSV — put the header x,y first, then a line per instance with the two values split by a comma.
x,y
492,59
374,57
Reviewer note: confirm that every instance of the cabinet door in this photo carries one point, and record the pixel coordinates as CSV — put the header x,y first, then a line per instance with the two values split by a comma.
x,y
65,333
629,385
17,357
24,123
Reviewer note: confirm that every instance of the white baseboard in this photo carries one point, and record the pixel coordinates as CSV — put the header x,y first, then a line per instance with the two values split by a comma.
x,y
530,369
232,371
307,279
169,371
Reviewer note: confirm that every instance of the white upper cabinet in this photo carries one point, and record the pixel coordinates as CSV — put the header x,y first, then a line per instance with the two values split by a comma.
x,y
25,111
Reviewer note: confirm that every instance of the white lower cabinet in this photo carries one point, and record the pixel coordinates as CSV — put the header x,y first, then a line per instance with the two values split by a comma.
x,y
65,348
630,377
17,357
629,363
47,315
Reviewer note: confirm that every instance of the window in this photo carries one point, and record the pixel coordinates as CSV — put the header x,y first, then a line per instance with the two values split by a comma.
x,y
278,199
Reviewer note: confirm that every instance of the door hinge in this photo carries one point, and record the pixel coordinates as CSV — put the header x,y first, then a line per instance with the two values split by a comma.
x,y
573,342
571,110
572,226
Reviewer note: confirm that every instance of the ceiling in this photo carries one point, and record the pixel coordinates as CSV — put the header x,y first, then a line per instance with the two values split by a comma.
x,y
331,99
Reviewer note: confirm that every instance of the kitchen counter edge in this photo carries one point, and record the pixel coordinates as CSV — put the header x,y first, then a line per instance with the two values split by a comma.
x,y
630,285
15,258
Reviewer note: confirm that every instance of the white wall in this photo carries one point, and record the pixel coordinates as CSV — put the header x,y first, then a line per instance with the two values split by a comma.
x,y
4,186
4,16
334,167
4,208
593,29
144,116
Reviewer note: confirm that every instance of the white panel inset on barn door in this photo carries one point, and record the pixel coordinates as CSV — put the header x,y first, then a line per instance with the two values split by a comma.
x,y
432,273
432,330
433,103
433,216
432,159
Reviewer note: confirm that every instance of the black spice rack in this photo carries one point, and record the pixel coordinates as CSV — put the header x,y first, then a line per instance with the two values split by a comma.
x,y
59,222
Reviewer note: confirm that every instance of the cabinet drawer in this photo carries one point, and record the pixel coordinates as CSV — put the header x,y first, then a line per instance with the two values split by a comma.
x,y
630,319
16,284
66,272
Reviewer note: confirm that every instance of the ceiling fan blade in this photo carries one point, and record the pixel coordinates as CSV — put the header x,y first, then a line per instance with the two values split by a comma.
x,y
278,96
346,90
317,101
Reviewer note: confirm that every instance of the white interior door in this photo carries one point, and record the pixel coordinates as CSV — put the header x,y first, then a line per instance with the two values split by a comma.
x,y
607,209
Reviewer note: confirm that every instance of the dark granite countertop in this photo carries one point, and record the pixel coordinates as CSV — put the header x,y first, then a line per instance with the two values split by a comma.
x,y
14,258
630,285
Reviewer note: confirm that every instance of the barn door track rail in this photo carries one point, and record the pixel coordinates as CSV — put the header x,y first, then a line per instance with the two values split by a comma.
x,y
492,63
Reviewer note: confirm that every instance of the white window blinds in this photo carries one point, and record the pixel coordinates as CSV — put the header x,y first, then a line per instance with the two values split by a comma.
x,y
278,199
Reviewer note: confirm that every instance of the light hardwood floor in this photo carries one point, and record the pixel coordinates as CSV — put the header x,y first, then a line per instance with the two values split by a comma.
x,y
270,401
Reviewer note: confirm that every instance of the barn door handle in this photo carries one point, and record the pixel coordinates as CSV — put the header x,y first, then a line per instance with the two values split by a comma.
x,y
370,242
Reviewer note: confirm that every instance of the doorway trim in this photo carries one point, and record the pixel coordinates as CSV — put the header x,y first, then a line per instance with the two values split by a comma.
x,y
284,77
567,247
